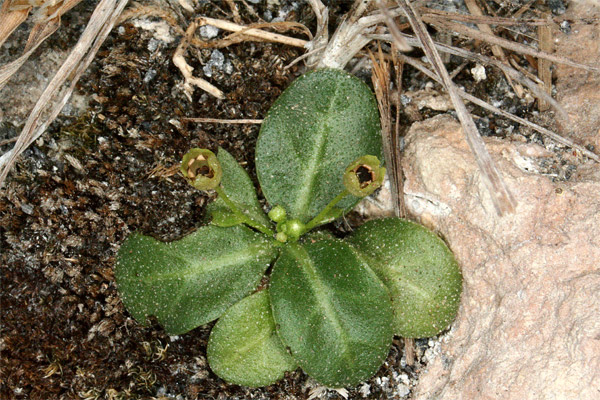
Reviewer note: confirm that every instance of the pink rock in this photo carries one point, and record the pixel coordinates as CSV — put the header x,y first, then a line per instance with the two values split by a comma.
x,y
529,322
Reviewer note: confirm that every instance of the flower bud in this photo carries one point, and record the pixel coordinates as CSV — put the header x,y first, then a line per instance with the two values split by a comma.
x,y
363,176
294,228
277,214
281,236
202,169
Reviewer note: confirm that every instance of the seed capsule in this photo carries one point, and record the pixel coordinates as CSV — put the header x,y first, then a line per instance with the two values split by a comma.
x,y
363,176
202,169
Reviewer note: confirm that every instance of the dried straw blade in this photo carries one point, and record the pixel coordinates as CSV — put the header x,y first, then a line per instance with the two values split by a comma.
x,y
62,85
502,199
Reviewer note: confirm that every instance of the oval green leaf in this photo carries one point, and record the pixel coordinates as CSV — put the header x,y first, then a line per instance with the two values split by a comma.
x,y
322,122
419,270
244,348
332,311
192,281
239,188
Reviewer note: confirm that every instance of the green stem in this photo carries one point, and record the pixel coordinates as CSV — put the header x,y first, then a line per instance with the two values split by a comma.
x,y
245,219
322,217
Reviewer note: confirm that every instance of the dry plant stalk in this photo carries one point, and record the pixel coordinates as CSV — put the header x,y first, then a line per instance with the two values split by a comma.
x,y
58,91
47,18
507,44
381,83
242,33
506,69
544,72
351,36
496,50
223,121
546,132
12,16
502,199
428,13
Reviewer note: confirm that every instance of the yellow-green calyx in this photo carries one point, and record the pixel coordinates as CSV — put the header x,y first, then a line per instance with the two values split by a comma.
x,y
277,214
202,169
363,176
281,236
294,228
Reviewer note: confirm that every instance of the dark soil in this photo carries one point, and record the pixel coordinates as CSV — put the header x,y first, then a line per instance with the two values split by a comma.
x,y
96,177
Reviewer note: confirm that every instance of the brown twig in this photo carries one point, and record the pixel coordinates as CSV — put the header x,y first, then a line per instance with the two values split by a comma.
x,y
9,140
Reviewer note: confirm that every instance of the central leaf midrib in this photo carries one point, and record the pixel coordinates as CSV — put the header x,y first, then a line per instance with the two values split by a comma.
x,y
324,301
241,351
308,181
400,279
196,268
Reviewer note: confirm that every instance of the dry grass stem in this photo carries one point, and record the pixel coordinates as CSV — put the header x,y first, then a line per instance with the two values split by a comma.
x,y
47,19
11,18
544,72
252,33
507,44
318,44
223,121
241,36
62,85
381,83
350,36
496,50
427,13
519,76
241,33
502,199
546,132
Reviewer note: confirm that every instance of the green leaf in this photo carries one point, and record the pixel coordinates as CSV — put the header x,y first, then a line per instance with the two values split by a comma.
x,y
244,348
325,120
239,188
419,270
192,281
332,311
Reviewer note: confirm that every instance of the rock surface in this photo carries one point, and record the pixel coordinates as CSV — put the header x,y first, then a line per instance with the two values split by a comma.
x,y
578,91
529,323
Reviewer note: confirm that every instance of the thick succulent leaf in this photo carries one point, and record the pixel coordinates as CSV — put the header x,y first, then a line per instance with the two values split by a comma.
x,y
419,270
192,281
244,348
332,311
325,120
239,188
